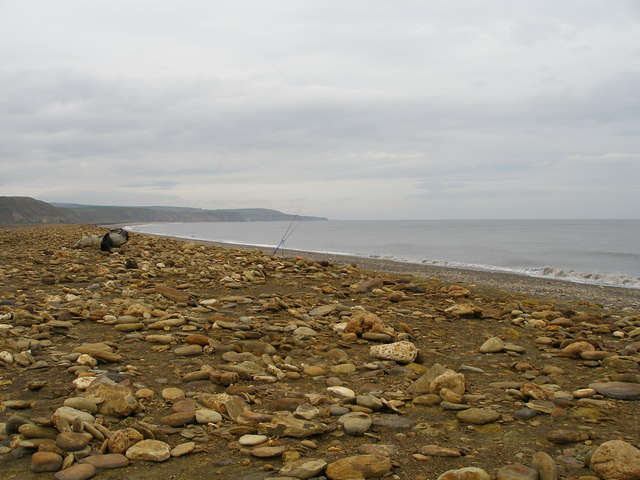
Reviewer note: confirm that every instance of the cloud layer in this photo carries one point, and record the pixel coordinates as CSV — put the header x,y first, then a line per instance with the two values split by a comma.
x,y
364,109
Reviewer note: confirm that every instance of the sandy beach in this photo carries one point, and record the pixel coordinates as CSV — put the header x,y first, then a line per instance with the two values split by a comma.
x,y
177,359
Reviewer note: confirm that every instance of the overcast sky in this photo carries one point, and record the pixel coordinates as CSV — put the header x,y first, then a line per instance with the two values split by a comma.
x,y
350,109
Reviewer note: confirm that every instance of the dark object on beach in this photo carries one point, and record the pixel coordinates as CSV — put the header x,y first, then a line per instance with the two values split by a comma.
x,y
130,264
115,238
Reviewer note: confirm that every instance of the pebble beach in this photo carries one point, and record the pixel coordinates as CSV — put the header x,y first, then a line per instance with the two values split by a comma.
x,y
186,360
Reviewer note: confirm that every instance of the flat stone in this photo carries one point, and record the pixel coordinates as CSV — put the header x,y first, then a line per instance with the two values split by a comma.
x,y
178,419
71,441
341,391
438,451
303,468
545,465
492,345
517,472
369,401
183,449
314,370
30,430
252,440
343,368
45,462
206,415
113,399
355,423
151,450
172,394
359,467
402,352
188,350
617,460
289,426
268,452
467,473
619,390
68,415
106,461
82,403
80,471
478,416
121,440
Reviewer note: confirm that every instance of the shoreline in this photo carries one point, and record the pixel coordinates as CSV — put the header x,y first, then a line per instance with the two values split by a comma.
x,y
561,290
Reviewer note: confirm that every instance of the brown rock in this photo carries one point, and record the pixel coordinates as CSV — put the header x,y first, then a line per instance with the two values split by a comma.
x,y
438,451
575,349
79,471
467,473
366,322
368,285
45,462
517,471
562,437
179,419
537,392
107,461
617,460
171,293
121,440
359,467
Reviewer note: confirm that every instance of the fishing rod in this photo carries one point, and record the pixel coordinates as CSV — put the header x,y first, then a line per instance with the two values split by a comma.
x,y
287,233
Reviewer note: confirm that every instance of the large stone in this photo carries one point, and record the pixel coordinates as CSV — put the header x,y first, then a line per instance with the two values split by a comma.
x,y
517,471
45,462
150,450
423,384
402,352
438,451
575,349
64,416
71,441
303,468
359,467
178,419
619,390
113,399
107,461
617,460
545,465
368,285
450,380
289,426
121,440
80,471
537,392
355,423
478,416
467,473
492,345
362,322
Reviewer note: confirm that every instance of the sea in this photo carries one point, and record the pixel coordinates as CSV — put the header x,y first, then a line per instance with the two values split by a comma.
x,y
600,252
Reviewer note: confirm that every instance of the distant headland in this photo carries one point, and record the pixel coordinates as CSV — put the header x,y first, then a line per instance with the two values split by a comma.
x,y
29,211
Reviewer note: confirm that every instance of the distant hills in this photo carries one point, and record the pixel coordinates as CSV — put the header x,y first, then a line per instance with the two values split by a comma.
x,y
29,211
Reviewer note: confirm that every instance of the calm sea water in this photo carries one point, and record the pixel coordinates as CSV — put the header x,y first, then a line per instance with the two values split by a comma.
x,y
605,252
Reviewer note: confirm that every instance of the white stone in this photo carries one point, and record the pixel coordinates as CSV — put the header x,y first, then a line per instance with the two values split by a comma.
x,y
403,352
206,416
342,391
252,440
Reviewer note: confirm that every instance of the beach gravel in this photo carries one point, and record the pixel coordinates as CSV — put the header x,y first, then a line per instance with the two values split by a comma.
x,y
175,359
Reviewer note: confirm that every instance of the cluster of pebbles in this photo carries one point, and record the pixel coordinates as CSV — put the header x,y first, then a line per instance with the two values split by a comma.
x,y
169,359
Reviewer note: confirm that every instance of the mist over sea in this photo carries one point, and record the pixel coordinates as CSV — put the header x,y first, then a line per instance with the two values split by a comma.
x,y
601,252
